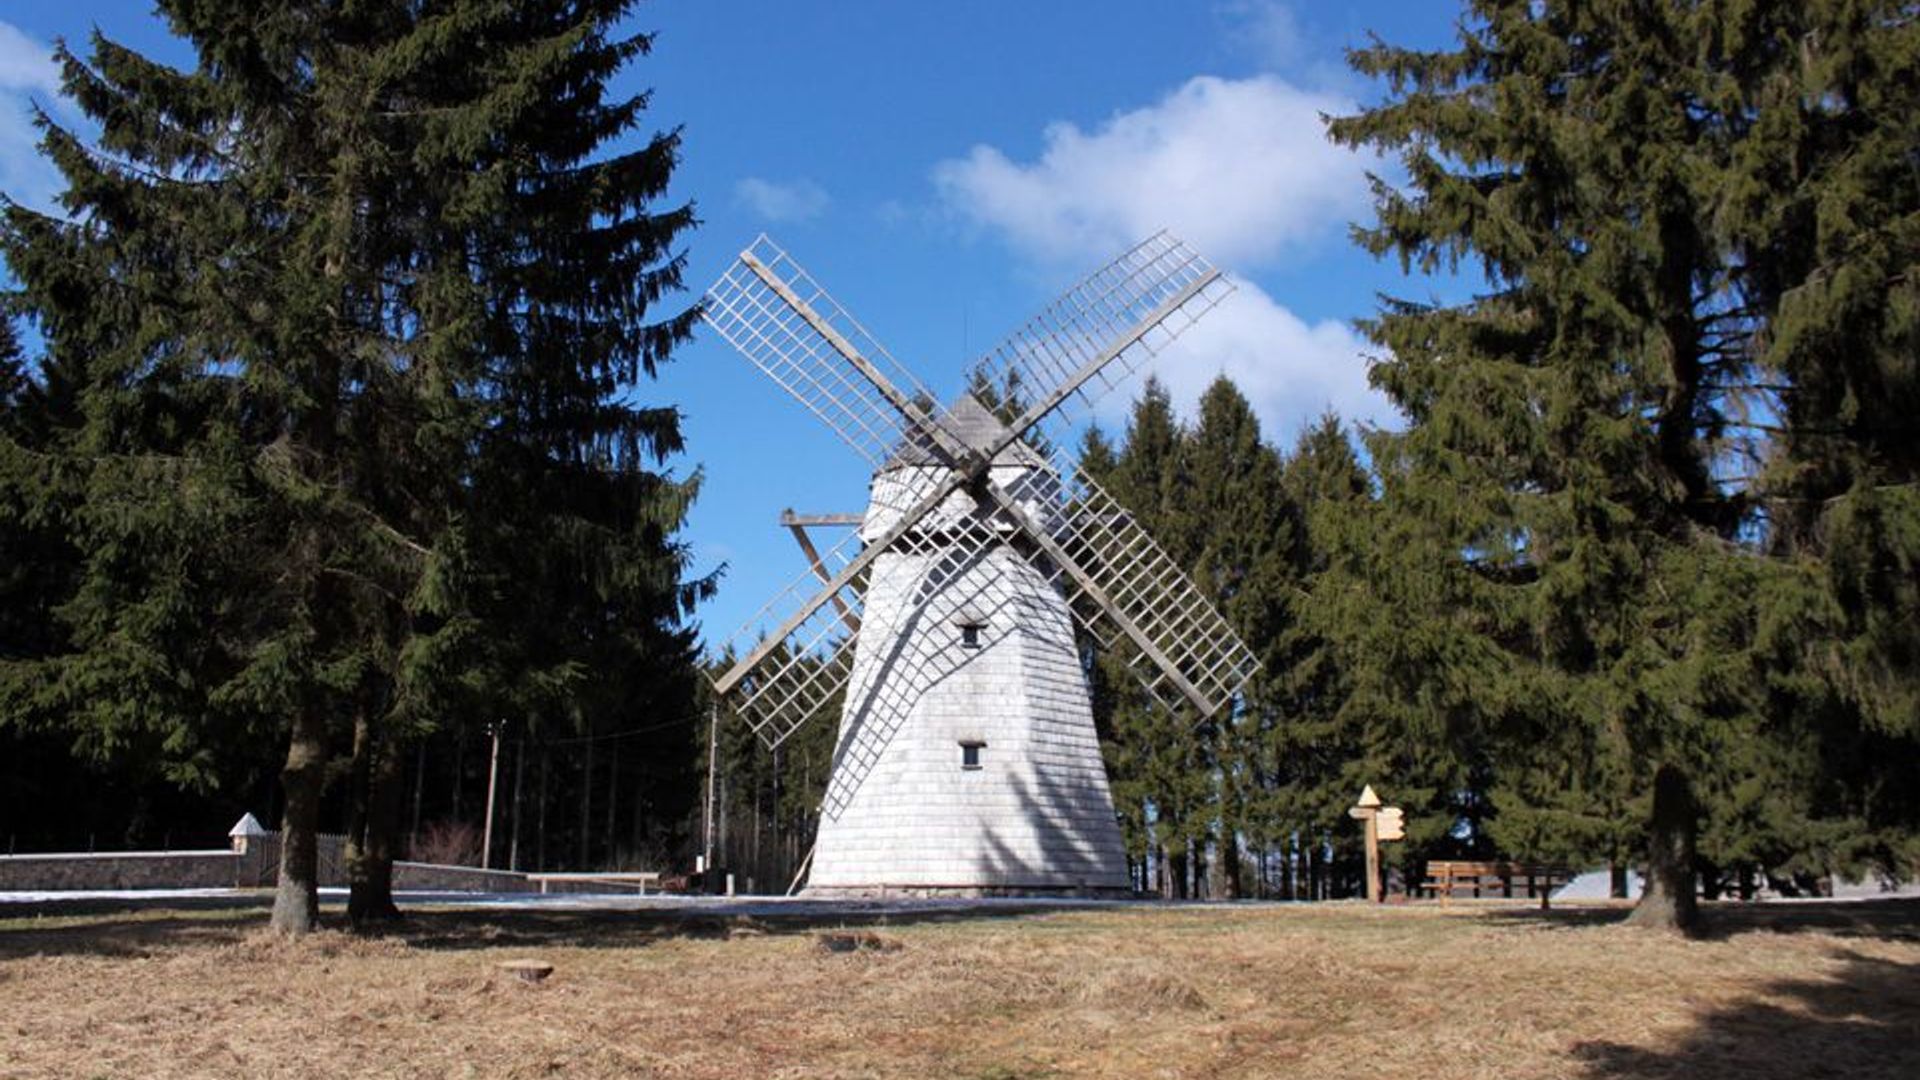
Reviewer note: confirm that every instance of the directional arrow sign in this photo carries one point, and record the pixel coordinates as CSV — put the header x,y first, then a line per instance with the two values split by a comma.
x,y
1391,824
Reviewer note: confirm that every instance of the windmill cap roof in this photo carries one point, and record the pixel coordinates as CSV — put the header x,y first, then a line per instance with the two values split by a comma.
x,y
972,424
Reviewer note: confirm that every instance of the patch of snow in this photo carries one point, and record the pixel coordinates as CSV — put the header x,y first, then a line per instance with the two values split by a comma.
x,y
1597,885
55,895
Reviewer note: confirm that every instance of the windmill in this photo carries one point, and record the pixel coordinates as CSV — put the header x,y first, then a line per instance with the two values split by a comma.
x,y
946,626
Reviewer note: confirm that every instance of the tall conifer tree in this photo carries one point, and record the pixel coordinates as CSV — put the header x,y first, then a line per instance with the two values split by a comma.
x,y
1236,525
1557,460
1570,500
1160,766
356,301
1823,225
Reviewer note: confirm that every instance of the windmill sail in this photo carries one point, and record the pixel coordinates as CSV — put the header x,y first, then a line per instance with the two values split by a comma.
x,y
1125,587
786,681
1101,331
803,673
771,310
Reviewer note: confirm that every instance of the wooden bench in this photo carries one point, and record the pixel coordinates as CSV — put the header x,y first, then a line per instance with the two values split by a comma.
x,y
1448,877
640,881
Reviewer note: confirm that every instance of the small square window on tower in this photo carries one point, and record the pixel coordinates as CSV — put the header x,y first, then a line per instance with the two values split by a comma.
x,y
970,754
970,635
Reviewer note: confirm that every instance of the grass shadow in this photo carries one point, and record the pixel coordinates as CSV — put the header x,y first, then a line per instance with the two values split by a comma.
x,y
1882,920
1861,1023
128,928
463,929
125,935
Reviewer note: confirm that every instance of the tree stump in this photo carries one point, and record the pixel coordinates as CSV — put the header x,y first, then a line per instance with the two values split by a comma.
x,y
857,941
528,971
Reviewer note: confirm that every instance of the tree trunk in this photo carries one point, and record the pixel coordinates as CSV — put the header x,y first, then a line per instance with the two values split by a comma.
x,y
540,826
519,776
586,808
459,769
613,808
1668,902
359,780
374,827
1229,863
1617,880
419,790
296,899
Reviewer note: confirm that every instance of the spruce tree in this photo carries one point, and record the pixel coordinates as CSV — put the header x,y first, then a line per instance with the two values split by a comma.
x,y
356,301
1211,496
13,374
1160,765
1572,503
36,564
1237,525
1346,692
1555,481
1822,220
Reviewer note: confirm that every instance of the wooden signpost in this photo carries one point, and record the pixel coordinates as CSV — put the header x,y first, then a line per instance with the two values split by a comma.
x,y
1384,823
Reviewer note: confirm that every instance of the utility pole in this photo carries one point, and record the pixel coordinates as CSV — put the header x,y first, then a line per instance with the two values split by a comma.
x,y
493,781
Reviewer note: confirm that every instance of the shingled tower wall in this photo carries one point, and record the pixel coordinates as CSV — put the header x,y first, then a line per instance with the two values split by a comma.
x,y
967,647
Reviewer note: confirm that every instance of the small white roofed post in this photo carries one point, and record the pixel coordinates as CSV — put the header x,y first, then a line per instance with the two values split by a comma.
x,y
243,831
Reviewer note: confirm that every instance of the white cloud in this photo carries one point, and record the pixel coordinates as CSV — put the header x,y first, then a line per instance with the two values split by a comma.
x,y
27,74
1290,371
25,64
1241,169
799,200
1267,28
1269,33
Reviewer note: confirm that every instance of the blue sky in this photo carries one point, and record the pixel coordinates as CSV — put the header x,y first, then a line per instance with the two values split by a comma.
x,y
945,170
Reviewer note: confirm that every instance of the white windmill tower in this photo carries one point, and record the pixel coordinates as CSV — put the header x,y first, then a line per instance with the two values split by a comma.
x,y
945,626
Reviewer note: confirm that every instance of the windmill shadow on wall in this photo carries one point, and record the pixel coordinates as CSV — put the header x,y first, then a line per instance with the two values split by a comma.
x,y
956,617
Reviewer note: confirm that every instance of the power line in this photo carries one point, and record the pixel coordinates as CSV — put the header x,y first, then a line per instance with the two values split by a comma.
x,y
629,733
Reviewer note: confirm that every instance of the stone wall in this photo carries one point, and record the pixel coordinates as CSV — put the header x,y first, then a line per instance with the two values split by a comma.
x,y
214,869
221,868
430,877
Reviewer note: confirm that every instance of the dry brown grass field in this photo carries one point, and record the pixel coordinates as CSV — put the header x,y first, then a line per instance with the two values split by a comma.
x,y
1321,991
